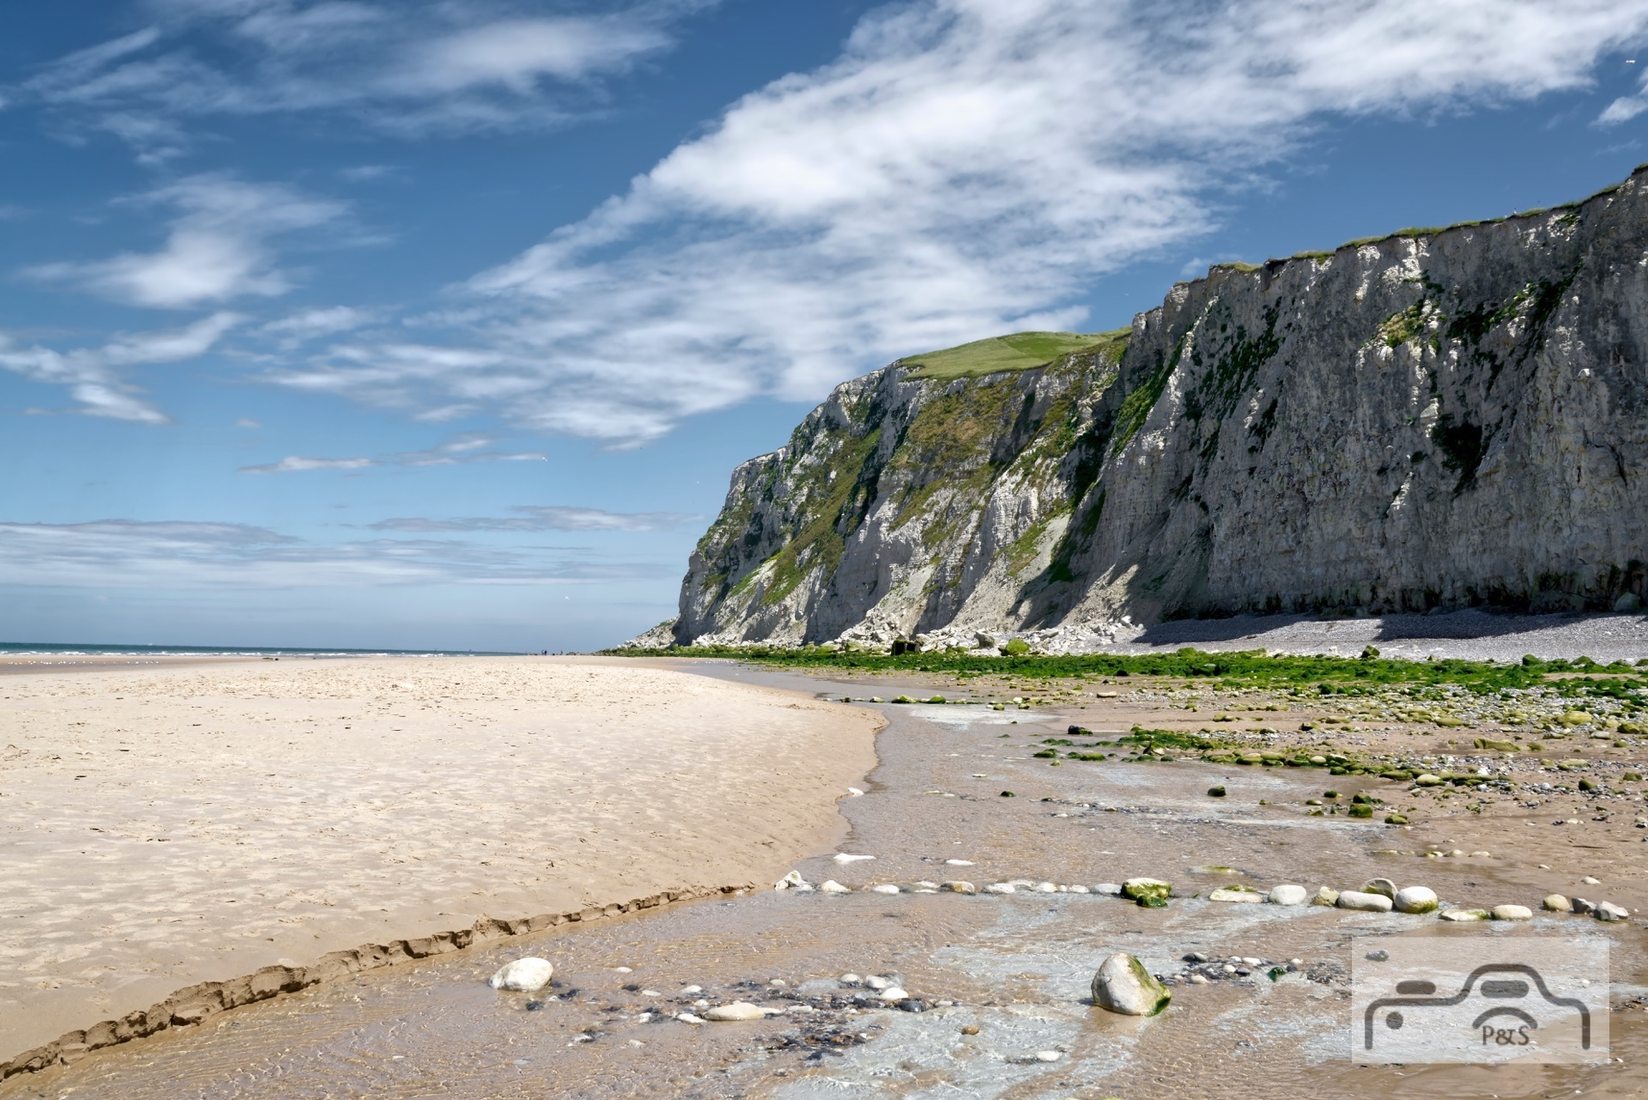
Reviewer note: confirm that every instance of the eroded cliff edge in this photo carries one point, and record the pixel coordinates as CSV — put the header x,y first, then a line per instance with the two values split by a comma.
x,y
1438,418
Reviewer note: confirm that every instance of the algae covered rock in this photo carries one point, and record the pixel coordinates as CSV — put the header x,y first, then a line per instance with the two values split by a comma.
x,y
1150,893
1123,985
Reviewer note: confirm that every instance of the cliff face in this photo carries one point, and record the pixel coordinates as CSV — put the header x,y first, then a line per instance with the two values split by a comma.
x,y
1453,418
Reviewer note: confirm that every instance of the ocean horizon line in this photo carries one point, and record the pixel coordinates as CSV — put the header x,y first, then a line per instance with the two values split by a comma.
x,y
120,649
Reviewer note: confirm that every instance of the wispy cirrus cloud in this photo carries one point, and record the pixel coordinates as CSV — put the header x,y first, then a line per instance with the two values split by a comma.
x,y
92,374
964,167
235,556
544,518
454,452
314,324
218,247
413,67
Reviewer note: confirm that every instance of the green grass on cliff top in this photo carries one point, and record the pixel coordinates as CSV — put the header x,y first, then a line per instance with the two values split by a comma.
x,y
1019,351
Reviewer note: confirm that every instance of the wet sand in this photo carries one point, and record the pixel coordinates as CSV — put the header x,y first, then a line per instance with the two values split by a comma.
x,y
269,826
1015,967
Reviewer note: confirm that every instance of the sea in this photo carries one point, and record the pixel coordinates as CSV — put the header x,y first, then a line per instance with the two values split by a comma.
x,y
88,649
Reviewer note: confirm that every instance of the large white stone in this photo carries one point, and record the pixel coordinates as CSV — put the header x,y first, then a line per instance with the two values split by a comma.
x,y
1511,912
1364,902
1416,899
735,1012
1288,894
526,975
1123,985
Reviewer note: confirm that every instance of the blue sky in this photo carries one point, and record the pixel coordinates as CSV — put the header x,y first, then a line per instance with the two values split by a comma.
x,y
442,323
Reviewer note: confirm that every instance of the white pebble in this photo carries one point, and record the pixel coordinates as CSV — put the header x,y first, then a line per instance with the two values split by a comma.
x,y
885,888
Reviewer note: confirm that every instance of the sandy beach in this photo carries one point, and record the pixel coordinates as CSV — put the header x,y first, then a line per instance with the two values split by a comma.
x,y
997,981
271,824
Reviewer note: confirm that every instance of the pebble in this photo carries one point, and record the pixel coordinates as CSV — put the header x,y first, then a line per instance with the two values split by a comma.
x,y
850,979
958,887
1325,895
1464,914
1196,957
970,1029
1198,979
958,863
1001,888
1608,911
1048,1055
1557,903
1109,889
688,990
1511,912
1046,888
895,993
1288,894
736,1012
1382,886
1235,893
689,1018
885,888
831,886
843,857
1589,881
876,983
790,881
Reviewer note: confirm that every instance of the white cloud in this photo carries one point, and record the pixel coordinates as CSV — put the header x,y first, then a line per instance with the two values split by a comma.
x,y
218,246
154,555
299,464
90,373
543,518
965,167
515,54
462,450
413,66
312,324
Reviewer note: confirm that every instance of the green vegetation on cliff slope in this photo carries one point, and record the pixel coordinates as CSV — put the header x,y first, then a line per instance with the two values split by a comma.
x,y
1019,351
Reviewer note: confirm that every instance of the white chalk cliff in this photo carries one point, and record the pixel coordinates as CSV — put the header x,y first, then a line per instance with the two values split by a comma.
x,y
1438,418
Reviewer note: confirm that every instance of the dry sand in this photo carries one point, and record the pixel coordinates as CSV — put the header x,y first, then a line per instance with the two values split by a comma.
x,y
166,827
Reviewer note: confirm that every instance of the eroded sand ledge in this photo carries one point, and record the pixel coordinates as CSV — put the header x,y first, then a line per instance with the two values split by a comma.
x,y
183,840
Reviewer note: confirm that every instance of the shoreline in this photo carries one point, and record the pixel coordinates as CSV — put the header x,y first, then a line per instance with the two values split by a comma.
x,y
650,767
